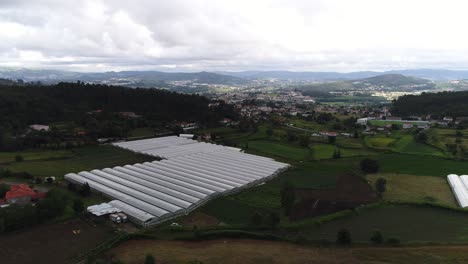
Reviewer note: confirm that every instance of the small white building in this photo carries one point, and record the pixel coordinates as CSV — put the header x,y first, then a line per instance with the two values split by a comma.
x,y
39,127
362,121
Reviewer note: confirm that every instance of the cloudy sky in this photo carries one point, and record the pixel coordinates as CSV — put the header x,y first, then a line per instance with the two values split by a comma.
x,y
232,35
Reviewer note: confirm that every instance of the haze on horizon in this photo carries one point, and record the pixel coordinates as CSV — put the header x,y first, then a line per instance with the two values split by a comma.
x,y
233,35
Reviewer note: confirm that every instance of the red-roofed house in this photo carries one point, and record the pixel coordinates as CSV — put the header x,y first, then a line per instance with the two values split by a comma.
x,y
22,194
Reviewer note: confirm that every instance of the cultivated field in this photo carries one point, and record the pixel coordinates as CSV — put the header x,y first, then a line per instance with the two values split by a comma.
x,y
418,189
59,163
52,243
254,251
406,222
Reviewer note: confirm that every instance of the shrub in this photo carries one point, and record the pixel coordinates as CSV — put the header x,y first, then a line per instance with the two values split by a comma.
x,y
149,259
393,241
343,237
381,186
369,166
377,237
19,158
85,190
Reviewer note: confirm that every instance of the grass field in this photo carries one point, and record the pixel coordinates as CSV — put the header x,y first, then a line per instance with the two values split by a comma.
x,y
411,188
79,159
402,144
34,155
420,165
277,149
379,142
142,132
325,151
407,223
258,252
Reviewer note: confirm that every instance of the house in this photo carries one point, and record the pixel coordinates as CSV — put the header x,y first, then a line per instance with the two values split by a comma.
x,y
362,121
407,125
448,119
21,194
39,127
328,134
129,115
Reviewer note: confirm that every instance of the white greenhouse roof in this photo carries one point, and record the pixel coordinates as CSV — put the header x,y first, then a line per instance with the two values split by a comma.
x,y
459,186
192,174
170,147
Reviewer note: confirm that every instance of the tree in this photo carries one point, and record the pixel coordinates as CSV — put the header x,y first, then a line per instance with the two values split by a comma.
x,y
288,197
369,166
377,237
356,134
343,237
421,137
19,158
269,132
78,206
331,139
3,190
149,259
85,190
380,186
304,141
292,136
273,220
337,154
257,219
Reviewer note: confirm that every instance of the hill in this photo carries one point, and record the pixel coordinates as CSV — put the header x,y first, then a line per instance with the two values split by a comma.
x,y
440,104
430,74
389,82
125,78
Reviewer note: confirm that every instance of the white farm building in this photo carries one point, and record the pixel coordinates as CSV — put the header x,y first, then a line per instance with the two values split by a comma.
x,y
190,174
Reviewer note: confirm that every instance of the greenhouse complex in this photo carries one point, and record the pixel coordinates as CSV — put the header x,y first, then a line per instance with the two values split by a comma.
x,y
459,186
189,174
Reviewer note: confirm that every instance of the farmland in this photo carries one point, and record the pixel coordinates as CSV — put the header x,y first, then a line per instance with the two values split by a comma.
x,y
255,251
58,163
53,243
416,185
400,221
417,189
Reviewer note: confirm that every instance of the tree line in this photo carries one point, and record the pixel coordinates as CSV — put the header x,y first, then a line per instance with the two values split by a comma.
x,y
453,104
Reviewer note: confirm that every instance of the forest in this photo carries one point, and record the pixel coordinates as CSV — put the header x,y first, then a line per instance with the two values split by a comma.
x,y
21,106
80,113
452,104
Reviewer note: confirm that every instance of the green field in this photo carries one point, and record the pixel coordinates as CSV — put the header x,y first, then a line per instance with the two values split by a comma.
x,y
420,165
34,155
142,132
402,144
277,149
407,223
379,142
415,189
325,151
59,163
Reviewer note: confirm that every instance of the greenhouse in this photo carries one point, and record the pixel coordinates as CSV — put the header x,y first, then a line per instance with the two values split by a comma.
x,y
191,174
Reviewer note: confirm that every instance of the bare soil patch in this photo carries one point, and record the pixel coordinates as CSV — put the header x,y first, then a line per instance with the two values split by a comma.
x,y
350,192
